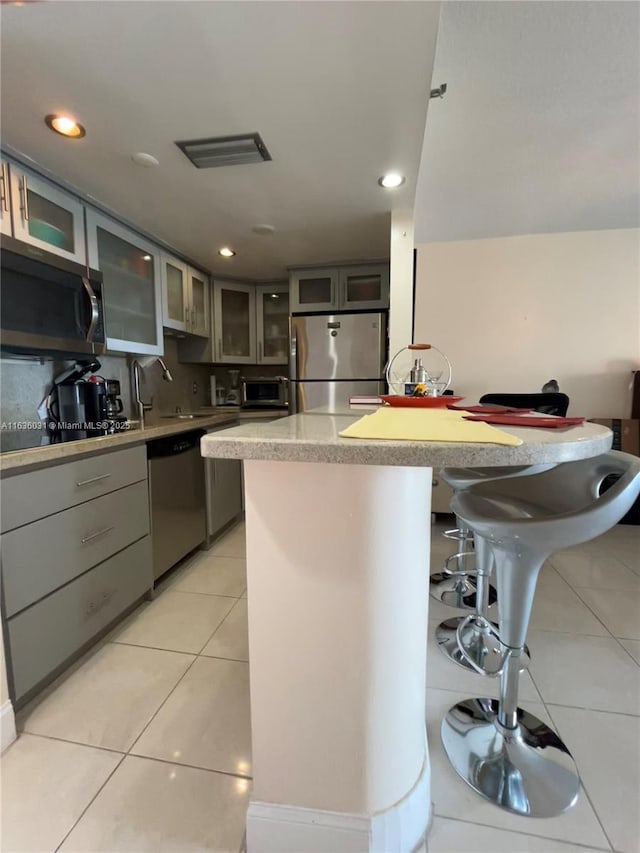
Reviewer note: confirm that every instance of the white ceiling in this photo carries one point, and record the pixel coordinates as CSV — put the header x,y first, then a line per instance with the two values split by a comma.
x,y
540,128
339,92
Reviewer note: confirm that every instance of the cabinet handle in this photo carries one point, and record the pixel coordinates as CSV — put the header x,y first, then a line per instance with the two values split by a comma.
x,y
220,349
4,200
24,201
92,480
95,535
260,352
194,324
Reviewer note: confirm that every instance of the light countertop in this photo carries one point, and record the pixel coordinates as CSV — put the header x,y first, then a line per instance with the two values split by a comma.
x,y
313,437
19,461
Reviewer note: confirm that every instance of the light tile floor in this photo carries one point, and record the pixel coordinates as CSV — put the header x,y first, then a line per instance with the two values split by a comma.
x,y
145,745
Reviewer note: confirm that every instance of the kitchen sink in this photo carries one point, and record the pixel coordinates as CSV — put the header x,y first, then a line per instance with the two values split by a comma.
x,y
186,416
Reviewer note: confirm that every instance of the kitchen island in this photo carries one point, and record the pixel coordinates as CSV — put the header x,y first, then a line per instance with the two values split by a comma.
x,y
337,571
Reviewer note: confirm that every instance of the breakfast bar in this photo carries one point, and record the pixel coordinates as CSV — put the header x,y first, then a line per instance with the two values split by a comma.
x,y
337,570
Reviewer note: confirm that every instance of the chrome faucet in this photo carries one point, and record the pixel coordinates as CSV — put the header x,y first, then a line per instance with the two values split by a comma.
x,y
135,372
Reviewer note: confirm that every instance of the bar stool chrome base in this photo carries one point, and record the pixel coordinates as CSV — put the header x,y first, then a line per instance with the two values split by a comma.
x,y
528,770
479,643
457,590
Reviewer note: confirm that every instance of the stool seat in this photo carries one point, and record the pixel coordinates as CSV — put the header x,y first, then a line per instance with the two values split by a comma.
x,y
473,645
503,752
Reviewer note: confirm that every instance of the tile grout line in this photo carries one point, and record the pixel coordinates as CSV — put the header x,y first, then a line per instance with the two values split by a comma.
x,y
547,709
617,639
595,615
166,699
59,739
583,787
586,791
174,763
519,832
90,803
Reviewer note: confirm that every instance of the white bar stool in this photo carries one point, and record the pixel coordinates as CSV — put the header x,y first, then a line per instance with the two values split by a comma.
x,y
503,752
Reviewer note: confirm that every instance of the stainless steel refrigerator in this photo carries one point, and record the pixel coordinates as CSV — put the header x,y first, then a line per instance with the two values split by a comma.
x,y
333,357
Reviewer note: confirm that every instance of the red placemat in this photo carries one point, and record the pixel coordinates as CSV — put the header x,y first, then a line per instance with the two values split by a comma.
x,y
488,409
524,421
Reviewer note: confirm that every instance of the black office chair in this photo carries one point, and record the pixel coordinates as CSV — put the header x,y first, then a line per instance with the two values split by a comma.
x,y
551,403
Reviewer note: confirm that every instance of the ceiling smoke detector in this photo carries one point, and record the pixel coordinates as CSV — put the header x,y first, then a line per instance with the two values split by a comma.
x,y
225,151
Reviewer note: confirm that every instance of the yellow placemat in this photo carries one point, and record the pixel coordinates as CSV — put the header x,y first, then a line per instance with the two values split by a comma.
x,y
396,424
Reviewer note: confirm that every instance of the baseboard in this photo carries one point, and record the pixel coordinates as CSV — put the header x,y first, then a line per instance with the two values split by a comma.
x,y
275,828
7,725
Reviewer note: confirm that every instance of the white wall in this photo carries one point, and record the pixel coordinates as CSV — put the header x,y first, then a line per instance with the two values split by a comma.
x,y
401,281
513,312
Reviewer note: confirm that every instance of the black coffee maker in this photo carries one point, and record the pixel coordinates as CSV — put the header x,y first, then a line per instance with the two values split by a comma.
x,y
111,407
74,404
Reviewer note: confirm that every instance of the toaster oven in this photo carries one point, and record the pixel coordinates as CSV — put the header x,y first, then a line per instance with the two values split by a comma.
x,y
265,392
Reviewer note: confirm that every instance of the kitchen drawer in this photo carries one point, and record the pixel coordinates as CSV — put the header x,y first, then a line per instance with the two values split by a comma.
x,y
27,497
47,634
40,557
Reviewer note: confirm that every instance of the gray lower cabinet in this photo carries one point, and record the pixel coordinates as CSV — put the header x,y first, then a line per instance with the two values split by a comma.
x,y
40,557
224,493
224,489
27,497
76,553
44,636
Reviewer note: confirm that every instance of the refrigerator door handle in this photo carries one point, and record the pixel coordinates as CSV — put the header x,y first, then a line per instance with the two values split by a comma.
x,y
293,371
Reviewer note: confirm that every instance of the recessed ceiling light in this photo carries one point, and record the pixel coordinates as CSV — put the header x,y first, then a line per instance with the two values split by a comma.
x,y
264,230
275,296
391,180
226,252
147,160
146,257
65,126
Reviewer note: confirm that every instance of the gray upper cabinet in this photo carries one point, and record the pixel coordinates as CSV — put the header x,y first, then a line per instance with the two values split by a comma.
x,y
185,298
346,288
132,289
235,322
364,286
199,303
272,323
5,199
314,289
174,293
45,216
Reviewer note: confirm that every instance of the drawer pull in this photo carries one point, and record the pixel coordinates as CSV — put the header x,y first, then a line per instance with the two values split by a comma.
x,y
93,480
96,534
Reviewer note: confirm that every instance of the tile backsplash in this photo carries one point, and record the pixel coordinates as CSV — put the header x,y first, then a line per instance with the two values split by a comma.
x,y
25,381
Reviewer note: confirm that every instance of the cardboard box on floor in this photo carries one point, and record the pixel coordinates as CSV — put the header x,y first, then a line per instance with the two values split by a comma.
x,y
626,433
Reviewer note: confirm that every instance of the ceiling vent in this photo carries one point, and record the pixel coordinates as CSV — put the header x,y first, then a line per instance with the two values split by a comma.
x,y
225,151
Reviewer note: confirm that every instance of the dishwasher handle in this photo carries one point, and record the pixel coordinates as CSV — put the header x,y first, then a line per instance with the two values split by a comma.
x,y
173,445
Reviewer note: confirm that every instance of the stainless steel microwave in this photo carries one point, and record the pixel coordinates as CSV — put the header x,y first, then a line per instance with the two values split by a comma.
x,y
265,392
48,305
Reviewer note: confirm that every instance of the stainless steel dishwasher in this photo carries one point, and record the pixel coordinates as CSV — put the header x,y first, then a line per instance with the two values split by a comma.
x,y
177,496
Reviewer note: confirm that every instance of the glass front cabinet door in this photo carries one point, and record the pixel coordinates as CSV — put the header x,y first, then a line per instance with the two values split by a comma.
x,y
132,291
235,323
47,217
5,207
174,294
314,290
199,303
272,323
364,287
